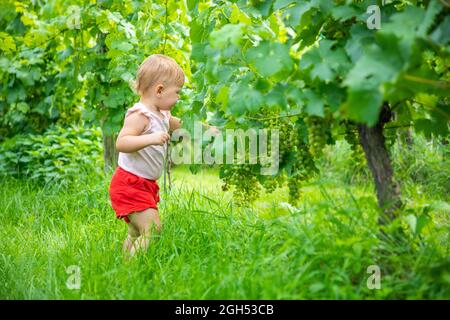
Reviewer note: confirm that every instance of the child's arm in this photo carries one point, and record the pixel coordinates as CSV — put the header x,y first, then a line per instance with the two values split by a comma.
x,y
175,123
130,140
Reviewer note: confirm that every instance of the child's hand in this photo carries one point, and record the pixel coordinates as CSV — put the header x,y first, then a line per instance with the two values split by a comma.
x,y
160,138
214,130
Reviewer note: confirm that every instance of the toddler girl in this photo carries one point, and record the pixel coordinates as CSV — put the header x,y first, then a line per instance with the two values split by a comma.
x,y
142,144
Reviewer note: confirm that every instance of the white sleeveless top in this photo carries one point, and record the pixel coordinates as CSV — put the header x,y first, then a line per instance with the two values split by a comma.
x,y
147,162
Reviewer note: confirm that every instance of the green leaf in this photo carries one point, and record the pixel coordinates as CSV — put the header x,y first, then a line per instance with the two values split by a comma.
x,y
417,223
325,62
333,94
237,16
277,97
25,159
314,105
270,58
295,95
381,62
127,77
229,33
222,97
89,114
411,220
263,7
23,107
121,45
198,52
243,98
429,127
16,93
434,8
422,222
196,31
116,97
8,43
297,16
363,105
279,4
345,12
441,34
360,37
196,107
217,119
192,4
406,24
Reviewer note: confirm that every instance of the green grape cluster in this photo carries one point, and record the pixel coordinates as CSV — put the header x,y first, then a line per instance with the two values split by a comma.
x,y
245,182
317,134
291,144
352,137
287,142
292,149
288,136
303,169
271,183
294,185
286,130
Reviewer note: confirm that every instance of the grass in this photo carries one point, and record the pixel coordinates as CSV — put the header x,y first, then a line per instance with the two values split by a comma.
x,y
210,249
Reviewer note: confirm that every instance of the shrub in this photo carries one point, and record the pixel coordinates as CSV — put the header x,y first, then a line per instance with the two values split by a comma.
x,y
59,155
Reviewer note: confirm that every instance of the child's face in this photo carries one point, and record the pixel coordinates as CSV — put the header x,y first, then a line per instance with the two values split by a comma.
x,y
168,96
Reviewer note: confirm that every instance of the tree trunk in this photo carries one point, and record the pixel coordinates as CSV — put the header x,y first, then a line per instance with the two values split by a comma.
x,y
110,154
373,143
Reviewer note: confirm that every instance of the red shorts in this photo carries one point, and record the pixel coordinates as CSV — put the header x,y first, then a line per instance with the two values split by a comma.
x,y
130,193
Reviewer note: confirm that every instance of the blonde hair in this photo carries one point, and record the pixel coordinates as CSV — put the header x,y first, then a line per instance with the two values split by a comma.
x,y
158,68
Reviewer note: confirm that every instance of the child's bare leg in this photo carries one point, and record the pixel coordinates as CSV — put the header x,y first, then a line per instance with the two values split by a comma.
x,y
146,222
133,234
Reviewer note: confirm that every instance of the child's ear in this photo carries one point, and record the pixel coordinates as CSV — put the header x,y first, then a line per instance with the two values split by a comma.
x,y
159,90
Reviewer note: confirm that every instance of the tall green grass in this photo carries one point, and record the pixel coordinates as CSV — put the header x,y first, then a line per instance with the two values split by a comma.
x,y
210,249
